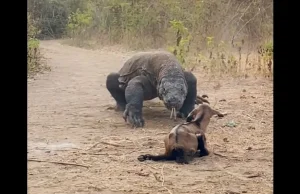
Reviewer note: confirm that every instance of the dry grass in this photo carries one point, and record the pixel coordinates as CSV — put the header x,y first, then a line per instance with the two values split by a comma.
x,y
220,37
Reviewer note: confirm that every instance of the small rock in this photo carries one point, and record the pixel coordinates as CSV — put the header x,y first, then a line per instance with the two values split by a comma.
x,y
231,124
231,192
249,148
244,90
225,140
244,191
218,86
222,100
150,147
48,151
242,97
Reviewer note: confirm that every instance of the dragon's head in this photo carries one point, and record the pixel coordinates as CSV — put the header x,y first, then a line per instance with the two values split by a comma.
x,y
173,91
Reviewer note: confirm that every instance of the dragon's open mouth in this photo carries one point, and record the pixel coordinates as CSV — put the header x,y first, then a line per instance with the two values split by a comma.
x,y
173,113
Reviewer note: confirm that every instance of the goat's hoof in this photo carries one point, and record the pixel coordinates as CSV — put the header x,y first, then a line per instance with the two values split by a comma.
x,y
142,158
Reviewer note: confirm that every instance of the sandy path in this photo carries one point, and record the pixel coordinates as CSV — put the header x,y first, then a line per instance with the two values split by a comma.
x,y
68,121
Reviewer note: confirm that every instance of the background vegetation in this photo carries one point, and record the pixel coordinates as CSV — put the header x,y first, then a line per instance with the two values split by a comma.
x,y
33,51
220,36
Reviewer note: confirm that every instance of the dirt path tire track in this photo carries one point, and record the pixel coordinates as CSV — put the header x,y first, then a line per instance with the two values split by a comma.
x,y
68,121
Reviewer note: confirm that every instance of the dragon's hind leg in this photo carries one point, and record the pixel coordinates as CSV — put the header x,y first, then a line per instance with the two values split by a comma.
x,y
112,85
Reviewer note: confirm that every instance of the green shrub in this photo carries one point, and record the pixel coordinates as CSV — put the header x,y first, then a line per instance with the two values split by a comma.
x,y
141,24
33,50
183,38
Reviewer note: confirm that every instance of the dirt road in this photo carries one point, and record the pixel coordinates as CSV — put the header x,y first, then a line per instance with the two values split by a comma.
x,y
68,122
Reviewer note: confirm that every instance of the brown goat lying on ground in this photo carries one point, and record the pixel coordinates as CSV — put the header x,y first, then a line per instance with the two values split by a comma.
x,y
184,140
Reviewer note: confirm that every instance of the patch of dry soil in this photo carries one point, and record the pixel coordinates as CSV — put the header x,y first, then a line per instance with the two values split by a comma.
x,y
69,122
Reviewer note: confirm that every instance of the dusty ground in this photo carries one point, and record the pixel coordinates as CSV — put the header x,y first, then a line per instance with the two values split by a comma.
x,y
69,122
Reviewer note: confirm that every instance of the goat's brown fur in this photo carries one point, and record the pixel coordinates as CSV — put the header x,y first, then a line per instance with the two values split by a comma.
x,y
201,115
184,140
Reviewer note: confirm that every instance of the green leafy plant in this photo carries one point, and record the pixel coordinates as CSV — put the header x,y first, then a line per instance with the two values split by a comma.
x,y
183,38
188,27
266,63
78,21
33,54
210,45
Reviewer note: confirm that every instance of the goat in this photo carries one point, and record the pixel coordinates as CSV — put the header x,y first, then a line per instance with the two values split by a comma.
x,y
184,140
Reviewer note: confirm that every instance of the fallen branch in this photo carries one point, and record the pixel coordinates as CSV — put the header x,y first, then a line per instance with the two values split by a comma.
x,y
217,154
210,170
149,166
224,114
161,133
156,177
93,146
162,175
139,173
98,154
169,191
95,188
253,176
62,163
111,144
162,180
142,174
